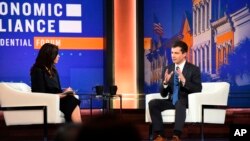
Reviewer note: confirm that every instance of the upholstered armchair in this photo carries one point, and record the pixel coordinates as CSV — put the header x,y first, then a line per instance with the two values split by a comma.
x,y
207,106
18,95
20,106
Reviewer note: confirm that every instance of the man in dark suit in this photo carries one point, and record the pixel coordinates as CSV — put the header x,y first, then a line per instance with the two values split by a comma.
x,y
180,79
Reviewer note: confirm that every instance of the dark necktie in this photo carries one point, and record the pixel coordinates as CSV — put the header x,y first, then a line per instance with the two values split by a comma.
x,y
176,87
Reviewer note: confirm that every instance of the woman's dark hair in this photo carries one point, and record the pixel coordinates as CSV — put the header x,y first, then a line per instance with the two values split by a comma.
x,y
45,58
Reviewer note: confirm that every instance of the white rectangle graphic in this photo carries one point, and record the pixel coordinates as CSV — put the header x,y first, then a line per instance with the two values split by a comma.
x,y
69,26
73,10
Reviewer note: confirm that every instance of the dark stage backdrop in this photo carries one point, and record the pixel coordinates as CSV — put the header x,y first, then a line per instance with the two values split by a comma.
x,y
218,37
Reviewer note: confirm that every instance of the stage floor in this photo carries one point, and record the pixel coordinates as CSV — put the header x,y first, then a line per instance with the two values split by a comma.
x,y
191,132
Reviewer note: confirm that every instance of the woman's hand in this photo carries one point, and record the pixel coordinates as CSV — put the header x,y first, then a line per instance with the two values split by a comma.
x,y
62,95
69,89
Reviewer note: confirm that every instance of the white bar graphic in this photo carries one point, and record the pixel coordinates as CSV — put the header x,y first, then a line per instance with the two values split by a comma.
x,y
69,26
73,10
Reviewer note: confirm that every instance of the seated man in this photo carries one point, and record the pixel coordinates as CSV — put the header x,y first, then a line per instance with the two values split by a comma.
x,y
180,79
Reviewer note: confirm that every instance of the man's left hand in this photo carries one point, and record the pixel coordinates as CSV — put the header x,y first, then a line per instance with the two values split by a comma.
x,y
181,77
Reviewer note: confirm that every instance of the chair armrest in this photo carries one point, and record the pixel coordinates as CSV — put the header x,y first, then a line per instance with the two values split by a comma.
x,y
196,100
52,102
154,96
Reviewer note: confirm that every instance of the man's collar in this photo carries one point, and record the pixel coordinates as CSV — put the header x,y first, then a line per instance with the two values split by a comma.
x,y
181,65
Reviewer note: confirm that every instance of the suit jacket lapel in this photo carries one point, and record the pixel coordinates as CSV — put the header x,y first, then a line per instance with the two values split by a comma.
x,y
185,70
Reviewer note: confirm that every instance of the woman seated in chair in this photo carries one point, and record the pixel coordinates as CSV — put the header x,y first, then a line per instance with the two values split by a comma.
x,y
45,79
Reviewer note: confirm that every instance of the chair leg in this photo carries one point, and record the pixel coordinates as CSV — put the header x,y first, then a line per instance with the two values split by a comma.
x,y
150,132
202,131
202,123
203,107
45,121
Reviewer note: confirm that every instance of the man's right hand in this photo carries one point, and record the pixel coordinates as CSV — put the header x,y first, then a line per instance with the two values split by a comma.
x,y
167,76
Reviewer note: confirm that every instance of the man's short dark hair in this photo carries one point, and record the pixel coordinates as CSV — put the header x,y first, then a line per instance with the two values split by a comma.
x,y
182,45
